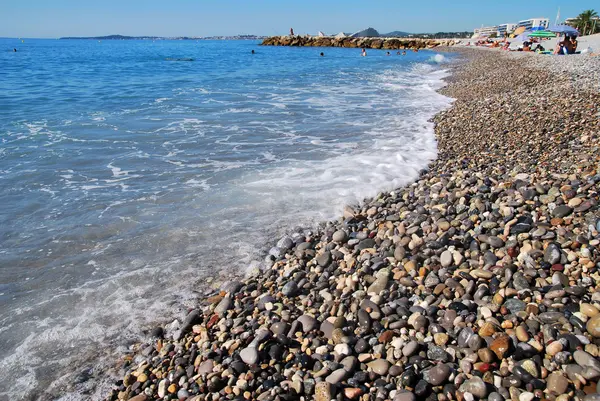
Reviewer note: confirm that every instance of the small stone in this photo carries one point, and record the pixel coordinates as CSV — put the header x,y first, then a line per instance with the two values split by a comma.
x,y
446,258
562,211
475,386
557,383
290,289
249,355
440,338
324,391
379,366
593,326
500,346
340,236
438,374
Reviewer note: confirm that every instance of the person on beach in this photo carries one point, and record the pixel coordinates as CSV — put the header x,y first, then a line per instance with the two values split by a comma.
x,y
291,31
573,45
364,52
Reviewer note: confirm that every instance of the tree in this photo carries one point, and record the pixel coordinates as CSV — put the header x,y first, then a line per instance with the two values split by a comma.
x,y
587,22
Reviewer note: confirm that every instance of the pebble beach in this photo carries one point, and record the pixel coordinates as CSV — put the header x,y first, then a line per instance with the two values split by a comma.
x,y
481,280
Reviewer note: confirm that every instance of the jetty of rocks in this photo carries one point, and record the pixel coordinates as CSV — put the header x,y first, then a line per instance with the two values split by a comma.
x,y
350,42
479,281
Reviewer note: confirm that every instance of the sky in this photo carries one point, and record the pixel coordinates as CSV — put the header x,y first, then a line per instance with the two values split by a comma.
x,y
57,18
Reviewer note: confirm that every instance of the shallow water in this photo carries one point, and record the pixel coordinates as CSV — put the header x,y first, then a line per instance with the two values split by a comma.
x,y
129,181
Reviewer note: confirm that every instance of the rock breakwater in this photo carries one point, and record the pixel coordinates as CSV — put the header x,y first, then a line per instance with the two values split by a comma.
x,y
478,281
349,42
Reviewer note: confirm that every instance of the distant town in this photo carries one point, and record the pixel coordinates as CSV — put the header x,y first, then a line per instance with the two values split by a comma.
x,y
587,22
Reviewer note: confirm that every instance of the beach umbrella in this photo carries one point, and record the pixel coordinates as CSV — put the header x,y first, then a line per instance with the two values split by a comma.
x,y
564,29
541,34
519,30
523,36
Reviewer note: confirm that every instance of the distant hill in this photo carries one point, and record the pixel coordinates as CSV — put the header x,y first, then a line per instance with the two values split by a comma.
x,y
395,34
112,37
366,33
122,37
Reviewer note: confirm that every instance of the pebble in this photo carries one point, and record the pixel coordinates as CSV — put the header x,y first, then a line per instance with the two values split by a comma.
x,y
481,276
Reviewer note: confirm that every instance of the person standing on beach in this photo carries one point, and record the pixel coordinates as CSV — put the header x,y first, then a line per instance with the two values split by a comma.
x,y
291,31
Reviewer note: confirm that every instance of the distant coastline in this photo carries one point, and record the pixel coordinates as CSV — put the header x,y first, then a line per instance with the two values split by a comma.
x,y
122,37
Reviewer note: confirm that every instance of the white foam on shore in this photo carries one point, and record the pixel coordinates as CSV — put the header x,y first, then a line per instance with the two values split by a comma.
x,y
392,154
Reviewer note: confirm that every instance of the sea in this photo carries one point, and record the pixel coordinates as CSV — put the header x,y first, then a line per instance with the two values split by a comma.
x,y
137,176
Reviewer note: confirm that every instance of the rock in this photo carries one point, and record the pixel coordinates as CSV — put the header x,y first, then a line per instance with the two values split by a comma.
x,y
500,346
290,289
562,211
308,322
410,348
337,376
324,259
324,391
249,355
405,396
446,258
556,383
552,253
475,386
514,305
438,374
584,360
593,326
379,366
139,397
340,236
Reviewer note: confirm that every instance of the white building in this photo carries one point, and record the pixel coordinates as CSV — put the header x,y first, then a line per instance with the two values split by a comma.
x,y
504,29
534,23
486,31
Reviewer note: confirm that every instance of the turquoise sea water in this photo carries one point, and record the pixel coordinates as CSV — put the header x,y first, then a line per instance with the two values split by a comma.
x,y
129,182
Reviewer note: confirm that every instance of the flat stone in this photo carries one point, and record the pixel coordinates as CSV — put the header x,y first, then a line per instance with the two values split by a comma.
x,y
562,211
379,366
337,376
585,359
340,236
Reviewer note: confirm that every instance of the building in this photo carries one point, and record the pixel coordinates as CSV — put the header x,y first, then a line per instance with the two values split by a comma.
x,y
504,29
534,23
487,31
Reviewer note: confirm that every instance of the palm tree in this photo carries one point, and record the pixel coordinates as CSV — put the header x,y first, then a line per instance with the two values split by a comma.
x,y
586,22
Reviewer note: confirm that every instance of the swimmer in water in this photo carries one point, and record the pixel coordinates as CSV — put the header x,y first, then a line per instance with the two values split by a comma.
x,y
404,53
388,54
252,51
364,52
322,54
15,50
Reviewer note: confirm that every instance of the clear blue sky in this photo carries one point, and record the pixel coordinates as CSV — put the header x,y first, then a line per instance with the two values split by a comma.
x,y
55,18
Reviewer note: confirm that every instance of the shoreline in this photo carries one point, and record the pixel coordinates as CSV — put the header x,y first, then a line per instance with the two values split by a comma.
x,y
478,264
